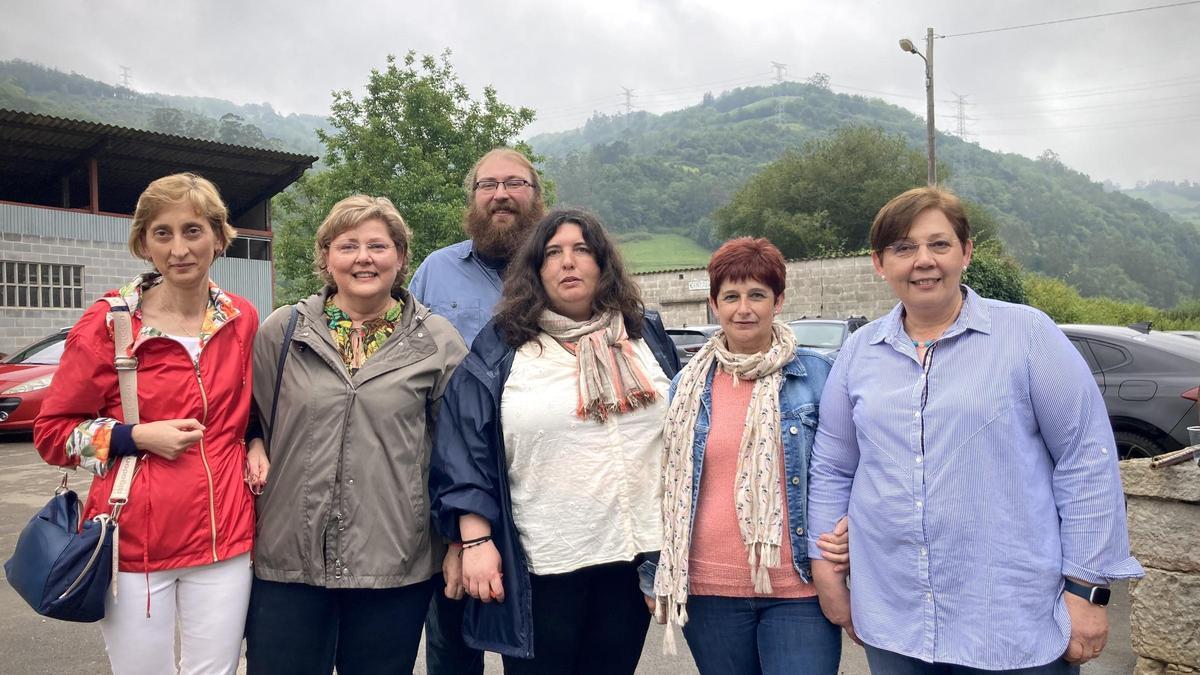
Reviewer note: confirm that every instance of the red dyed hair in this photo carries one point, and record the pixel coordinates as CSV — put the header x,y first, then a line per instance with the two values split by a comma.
x,y
747,258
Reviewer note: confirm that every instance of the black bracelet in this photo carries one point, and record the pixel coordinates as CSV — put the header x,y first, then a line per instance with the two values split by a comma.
x,y
471,543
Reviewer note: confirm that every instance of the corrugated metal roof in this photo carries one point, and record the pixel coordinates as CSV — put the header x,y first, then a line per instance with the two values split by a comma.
x,y
39,152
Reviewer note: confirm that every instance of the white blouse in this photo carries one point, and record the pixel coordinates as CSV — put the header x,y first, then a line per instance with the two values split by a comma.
x,y
583,492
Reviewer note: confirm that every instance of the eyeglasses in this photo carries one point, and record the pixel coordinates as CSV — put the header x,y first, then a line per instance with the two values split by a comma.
x,y
907,249
373,248
512,184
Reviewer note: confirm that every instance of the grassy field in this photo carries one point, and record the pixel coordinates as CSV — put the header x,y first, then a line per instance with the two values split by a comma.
x,y
653,252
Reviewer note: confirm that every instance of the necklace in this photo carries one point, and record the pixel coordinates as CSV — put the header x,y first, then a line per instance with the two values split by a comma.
x,y
923,345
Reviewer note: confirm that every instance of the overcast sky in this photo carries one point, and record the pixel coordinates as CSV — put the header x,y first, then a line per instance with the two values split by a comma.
x,y
1117,97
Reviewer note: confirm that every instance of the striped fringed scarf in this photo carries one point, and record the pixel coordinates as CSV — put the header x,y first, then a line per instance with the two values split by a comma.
x,y
610,378
758,498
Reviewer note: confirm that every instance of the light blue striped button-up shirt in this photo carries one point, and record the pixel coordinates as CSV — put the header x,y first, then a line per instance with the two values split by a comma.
x,y
974,484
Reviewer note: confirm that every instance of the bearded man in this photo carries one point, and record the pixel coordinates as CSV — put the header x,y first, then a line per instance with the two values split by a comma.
x,y
462,282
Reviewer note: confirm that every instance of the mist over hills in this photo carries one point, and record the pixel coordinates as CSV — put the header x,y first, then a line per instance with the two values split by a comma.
x,y
668,173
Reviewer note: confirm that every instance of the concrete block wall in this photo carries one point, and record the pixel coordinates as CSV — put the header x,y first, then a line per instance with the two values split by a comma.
x,y
105,266
1164,617
830,288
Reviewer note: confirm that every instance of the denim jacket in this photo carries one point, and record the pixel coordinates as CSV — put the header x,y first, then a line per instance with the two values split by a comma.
x,y
799,394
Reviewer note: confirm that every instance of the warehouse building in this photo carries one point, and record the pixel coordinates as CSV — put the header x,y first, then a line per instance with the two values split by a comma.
x,y
68,189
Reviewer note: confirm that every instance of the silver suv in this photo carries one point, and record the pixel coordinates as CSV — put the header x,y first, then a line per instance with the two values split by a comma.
x,y
1150,382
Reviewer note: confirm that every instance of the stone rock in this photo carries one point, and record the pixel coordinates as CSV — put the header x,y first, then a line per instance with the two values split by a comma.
x,y
1180,482
1164,619
1165,534
1149,667
1176,669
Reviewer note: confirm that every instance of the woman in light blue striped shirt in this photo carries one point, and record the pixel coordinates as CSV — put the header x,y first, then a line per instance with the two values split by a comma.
x,y
968,443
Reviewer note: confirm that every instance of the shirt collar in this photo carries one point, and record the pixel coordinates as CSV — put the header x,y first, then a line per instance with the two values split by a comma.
x,y
975,315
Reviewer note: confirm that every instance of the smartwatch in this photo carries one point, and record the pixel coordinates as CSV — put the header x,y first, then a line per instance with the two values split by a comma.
x,y
1097,595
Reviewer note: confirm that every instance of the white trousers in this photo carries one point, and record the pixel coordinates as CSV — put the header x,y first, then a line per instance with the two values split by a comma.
x,y
207,602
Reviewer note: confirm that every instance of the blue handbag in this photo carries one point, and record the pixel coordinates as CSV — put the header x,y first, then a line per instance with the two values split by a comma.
x,y
59,569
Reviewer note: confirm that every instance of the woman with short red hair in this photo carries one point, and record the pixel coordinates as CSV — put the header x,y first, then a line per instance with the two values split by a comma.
x,y
734,571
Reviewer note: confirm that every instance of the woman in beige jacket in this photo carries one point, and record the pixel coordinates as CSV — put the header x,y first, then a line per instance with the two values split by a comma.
x,y
344,554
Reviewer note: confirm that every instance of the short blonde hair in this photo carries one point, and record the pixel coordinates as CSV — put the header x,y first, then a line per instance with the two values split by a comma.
x,y
349,214
167,191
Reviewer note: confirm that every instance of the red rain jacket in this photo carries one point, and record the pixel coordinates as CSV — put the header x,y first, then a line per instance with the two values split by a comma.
x,y
191,511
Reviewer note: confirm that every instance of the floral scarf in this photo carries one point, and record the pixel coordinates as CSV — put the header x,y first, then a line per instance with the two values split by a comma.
x,y
758,497
356,345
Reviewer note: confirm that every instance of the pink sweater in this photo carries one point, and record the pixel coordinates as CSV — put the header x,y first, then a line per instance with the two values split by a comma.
x,y
718,561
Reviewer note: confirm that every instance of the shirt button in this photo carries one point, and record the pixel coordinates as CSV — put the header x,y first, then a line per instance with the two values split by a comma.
x,y
351,481
917,414
923,551
799,530
793,431
795,480
928,597
918,459
1104,451
918,503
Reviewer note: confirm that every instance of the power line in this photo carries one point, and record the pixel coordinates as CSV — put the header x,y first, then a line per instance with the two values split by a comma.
x,y
1076,18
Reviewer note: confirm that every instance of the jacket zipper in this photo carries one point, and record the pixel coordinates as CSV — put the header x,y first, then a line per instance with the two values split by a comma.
x,y
212,500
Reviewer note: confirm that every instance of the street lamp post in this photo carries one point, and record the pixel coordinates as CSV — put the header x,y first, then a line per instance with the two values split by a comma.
x,y
927,57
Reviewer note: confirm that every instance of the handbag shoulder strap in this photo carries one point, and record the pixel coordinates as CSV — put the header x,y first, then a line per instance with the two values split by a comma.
x,y
283,352
126,364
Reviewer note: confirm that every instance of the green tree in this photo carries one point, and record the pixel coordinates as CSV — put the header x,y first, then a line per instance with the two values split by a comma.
x,y
993,274
823,199
411,137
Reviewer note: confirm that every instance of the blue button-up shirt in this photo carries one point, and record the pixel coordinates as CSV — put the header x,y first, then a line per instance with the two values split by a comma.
x,y
974,484
456,284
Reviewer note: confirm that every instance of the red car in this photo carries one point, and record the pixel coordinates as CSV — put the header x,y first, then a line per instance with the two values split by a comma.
x,y
24,379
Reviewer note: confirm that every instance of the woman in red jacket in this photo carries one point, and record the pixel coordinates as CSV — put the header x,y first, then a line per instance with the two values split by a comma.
x,y
187,530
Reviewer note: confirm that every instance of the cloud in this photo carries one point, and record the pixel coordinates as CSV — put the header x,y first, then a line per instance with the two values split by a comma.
x,y
1117,97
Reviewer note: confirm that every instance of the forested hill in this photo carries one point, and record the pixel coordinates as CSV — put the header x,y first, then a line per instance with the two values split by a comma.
x,y
668,173
30,87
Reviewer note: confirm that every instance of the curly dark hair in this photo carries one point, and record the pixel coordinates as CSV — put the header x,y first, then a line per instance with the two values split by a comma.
x,y
524,297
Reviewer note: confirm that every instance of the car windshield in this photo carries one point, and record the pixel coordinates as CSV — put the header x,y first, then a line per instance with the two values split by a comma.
x,y
685,339
818,334
44,352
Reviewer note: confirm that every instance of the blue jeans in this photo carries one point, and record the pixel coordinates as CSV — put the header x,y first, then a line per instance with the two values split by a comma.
x,y
891,663
748,636
297,629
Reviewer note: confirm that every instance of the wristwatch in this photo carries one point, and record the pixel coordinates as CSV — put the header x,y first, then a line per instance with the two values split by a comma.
x,y
1097,595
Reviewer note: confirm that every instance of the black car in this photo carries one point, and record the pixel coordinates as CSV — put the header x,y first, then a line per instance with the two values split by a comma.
x,y
1150,380
825,335
688,340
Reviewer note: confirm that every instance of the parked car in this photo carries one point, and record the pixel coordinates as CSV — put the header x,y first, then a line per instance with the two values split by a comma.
x,y
825,335
1150,381
688,340
24,377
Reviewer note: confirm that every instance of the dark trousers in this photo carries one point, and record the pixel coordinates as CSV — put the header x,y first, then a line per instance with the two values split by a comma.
x,y
891,663
761,636
445,651
590,621
297,629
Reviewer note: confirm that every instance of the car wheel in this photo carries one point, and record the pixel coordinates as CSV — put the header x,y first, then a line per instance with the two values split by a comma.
x,y
1133,445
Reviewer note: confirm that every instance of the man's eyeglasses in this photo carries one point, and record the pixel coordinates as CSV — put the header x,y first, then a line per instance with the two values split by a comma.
x,y
373,248
512,184
907,249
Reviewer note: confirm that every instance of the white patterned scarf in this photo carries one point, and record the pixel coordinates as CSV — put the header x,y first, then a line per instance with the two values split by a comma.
x,y
758,497
610,378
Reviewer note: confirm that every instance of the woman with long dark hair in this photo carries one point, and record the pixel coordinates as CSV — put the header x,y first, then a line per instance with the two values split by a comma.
x,y
540,463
